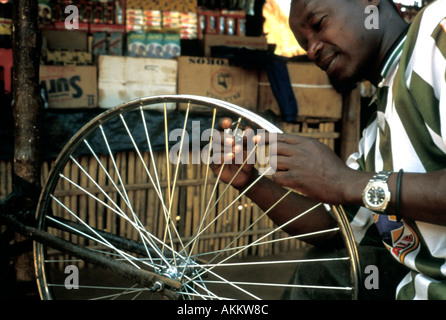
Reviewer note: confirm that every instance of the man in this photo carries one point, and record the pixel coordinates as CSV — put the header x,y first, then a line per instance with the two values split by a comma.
x,y
404,147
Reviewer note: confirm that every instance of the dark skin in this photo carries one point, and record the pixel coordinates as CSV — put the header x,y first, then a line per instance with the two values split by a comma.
x,y
335,38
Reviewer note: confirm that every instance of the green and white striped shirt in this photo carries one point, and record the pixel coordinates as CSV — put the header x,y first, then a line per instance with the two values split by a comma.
x,y
409,132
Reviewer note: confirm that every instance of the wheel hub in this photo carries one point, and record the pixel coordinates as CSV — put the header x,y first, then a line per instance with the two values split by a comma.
x,y
181,270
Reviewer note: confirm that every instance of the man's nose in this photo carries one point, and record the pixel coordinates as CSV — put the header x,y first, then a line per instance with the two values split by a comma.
x,y
314,50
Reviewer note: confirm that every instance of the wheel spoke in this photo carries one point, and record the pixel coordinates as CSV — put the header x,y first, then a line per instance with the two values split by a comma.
x,y
100,239
261,238
169,214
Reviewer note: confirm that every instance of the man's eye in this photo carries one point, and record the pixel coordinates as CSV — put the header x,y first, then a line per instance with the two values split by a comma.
x,y
318,25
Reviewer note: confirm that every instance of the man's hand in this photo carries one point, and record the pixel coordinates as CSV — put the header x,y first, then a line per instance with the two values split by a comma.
x,y
309,167
233,155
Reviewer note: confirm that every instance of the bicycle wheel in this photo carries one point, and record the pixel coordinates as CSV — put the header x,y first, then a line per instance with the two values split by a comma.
x,y
134,212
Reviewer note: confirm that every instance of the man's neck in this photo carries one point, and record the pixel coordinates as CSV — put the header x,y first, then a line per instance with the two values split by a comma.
x,y
393,29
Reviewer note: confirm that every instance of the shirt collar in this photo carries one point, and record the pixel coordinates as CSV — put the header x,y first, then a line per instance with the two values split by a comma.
x,y
393,57
391,62
394,54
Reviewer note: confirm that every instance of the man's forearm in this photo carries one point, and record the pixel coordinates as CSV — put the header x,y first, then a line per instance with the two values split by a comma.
x,y
422,196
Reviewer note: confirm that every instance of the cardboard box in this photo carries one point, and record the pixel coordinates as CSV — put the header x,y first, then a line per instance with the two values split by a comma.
x,y
65,40
315,96
68,58
216,78
216,40
70,86
126,78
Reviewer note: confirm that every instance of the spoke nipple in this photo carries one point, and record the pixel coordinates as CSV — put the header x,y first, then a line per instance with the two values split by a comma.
x,y
158,286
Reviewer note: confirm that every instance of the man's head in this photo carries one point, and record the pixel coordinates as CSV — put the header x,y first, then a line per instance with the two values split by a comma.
x,y
336,38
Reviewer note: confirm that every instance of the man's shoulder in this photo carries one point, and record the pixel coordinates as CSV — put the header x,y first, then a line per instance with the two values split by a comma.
x,y
430,17
426,34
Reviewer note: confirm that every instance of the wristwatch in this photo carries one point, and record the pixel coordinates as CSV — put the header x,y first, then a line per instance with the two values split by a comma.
x,y
376,195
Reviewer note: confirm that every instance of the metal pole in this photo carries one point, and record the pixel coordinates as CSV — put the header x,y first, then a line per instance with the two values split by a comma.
x,y
27,110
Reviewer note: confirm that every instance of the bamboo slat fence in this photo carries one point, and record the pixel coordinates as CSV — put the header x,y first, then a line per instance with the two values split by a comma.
x,y
187,203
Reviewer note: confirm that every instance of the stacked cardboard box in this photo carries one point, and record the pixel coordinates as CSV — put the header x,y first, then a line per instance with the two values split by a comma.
x,y
69,86
216,78
126,78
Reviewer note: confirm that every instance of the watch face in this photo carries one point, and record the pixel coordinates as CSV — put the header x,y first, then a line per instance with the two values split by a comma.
x,y
376,196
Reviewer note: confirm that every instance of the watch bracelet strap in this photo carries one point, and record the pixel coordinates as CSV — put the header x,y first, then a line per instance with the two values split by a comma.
x,y
382,175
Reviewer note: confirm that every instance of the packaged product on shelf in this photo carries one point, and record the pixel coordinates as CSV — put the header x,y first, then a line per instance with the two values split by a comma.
x,y
86,12
201,25
99,44
6,16
103,11
189,26
119,16
172,45
134,20
209,22
115,44
212,23
230,26
163,5
152,19
221,25
154,45
171,20
224,22
57,13
234,22
136,44
109,15
241,26
99,11
45,12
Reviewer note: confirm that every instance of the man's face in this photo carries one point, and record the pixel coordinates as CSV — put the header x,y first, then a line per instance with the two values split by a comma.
x,y
335,37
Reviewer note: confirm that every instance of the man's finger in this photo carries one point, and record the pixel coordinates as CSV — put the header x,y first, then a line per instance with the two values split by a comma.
x,y
282,178
224,123
268,138
281,163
